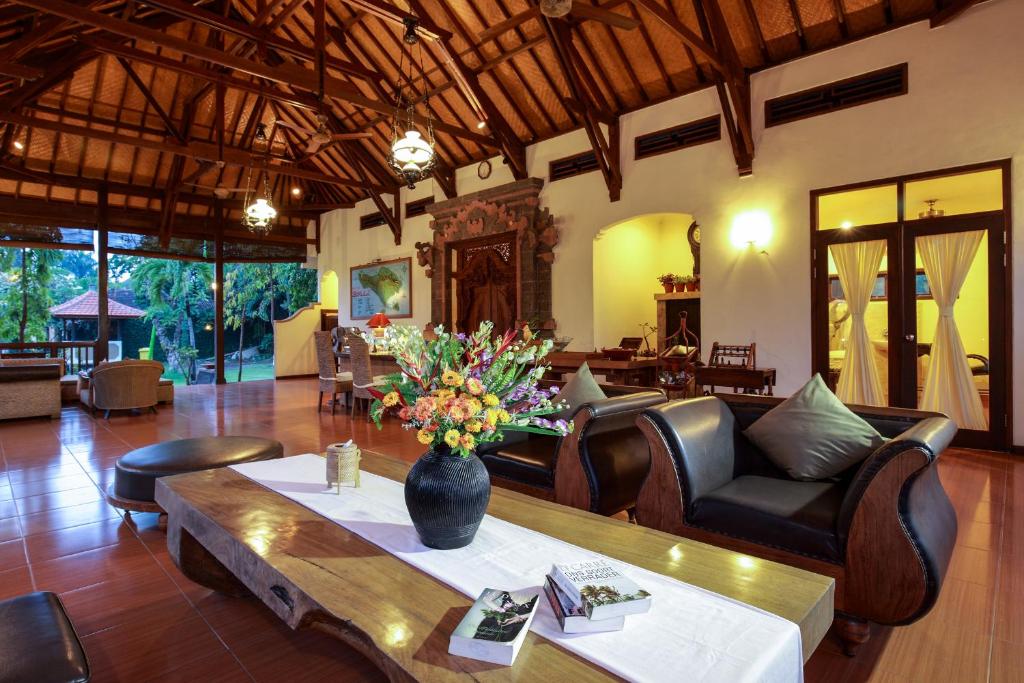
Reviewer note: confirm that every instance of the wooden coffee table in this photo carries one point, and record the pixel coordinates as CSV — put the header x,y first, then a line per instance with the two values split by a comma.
x,y
231,534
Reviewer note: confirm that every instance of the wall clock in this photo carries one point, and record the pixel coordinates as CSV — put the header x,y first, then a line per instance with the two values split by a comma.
x,y
483,171
693,237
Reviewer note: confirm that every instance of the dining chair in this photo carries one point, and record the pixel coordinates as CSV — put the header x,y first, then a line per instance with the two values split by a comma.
x,y
331,381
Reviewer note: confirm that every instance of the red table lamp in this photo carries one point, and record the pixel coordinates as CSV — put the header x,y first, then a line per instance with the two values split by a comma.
x,y
377,322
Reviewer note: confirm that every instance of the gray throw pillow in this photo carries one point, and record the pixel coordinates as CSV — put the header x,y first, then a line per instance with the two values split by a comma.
x,y
581,388
812,435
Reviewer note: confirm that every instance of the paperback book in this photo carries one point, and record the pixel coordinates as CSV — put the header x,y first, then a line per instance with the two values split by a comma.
x,y
495,627
571,616
601,590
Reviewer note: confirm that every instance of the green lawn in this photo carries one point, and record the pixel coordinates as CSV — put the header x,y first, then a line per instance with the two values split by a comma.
x,y
262,369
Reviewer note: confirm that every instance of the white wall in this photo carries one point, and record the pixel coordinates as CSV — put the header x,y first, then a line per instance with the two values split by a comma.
x,y
966,105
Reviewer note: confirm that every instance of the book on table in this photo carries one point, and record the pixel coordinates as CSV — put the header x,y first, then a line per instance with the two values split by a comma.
x,y
571,616
600,589
495,627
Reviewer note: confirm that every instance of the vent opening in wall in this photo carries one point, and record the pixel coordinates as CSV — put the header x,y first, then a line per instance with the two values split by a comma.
x,y
418,207
567,167
678,137
850,92
371,220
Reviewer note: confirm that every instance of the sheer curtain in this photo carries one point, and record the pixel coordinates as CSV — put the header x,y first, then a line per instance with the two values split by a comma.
x,y
858,264
949,386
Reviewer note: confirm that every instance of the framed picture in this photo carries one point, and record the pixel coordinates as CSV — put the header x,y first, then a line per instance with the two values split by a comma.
x,y
879,293
384,286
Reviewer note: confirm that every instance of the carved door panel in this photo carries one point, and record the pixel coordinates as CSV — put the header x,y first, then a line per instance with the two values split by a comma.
x,y
486,287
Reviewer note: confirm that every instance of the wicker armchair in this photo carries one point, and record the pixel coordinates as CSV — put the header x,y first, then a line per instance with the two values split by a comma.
x,y
331,381
122,385
362,374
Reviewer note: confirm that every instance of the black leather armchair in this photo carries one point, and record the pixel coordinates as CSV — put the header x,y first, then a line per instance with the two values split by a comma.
x,y
599,467
884,530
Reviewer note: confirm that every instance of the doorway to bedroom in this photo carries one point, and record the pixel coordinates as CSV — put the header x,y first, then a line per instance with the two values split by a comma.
x,y
910,296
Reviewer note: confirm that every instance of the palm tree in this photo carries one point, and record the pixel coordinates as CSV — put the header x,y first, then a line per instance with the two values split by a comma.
x,y
173,289
28,297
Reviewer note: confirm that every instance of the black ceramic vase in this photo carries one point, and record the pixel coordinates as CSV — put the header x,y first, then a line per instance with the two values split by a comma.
x,y
447,496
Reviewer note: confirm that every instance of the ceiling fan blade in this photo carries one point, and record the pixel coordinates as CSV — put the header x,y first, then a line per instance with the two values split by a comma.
x,y
512,22
351,136
296,127
313,146
582,9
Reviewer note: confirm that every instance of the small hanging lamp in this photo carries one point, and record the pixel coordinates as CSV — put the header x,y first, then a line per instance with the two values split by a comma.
x,y
411,156
259,213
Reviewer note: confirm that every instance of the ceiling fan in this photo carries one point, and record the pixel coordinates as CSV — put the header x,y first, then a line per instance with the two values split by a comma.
x,y
578,9
219,191
321,138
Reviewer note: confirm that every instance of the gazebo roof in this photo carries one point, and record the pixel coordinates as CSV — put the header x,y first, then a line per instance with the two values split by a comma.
x,y
87,306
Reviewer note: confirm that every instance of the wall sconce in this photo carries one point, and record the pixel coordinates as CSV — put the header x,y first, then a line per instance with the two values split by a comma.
x,y
751,229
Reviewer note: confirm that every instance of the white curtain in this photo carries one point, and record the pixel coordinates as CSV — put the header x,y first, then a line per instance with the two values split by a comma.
x,y
949,386
858,264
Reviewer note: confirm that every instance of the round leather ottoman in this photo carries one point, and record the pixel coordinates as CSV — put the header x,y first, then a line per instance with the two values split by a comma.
x,y
136,472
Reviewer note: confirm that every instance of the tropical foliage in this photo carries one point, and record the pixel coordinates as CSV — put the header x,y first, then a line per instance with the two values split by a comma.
x,y
458,391
25,292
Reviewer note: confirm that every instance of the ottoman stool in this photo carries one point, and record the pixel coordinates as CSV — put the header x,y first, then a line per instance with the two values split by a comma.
x,y
38,642
136,472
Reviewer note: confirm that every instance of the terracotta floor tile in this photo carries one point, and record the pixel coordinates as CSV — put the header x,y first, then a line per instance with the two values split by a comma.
x,y
221,667
12,554
15,582
124,599
43,472
67,573
54,544
8,509
65,518
1007,662
10,529
24,489
59,499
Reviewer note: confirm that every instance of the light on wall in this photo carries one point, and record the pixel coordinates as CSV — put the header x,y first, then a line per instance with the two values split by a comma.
x,y
751,229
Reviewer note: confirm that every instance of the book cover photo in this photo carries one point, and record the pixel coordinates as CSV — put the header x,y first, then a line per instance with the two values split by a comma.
x,y
571,617
495,627
600,589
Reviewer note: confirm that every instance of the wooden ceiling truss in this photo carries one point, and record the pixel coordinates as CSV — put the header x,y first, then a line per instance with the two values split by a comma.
x,y
145,98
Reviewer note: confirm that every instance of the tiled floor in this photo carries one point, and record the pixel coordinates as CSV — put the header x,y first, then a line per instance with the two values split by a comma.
x,y
141,620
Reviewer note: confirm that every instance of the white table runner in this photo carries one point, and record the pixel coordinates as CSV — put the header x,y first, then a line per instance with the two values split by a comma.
x,y
690,634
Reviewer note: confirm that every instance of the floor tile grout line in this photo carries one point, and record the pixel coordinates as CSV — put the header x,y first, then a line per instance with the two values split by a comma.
x,y
996,579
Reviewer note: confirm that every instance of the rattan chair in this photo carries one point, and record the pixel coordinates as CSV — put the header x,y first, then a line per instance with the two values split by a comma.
x,y
123,385
331,381
362,373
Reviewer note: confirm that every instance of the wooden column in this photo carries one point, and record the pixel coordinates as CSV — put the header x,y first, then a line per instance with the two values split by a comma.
x,y
102,312
218,300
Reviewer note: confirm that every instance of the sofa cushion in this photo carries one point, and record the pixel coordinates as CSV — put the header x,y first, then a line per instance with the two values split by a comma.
x,y
812,435
581,388
796,516
38,642
529,461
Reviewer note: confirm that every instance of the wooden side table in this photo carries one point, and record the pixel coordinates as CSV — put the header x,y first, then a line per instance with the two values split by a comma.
x,y
756,380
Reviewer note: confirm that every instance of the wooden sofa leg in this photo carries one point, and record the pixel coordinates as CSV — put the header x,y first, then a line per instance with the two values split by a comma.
x,y
852,632
106,415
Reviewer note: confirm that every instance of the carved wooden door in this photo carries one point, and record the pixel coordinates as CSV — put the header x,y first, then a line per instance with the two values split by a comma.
x,y
486,286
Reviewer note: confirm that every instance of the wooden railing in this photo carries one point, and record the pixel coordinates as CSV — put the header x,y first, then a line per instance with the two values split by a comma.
x,y
77,355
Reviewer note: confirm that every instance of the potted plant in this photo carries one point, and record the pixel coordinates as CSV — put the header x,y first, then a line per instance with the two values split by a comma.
x,y
668,281
680,283
459,391
691,283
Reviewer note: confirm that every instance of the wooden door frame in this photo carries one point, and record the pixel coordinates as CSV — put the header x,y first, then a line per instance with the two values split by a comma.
x,y
1000,283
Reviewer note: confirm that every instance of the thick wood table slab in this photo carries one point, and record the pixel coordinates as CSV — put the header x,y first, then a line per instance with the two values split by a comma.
x,y
231,534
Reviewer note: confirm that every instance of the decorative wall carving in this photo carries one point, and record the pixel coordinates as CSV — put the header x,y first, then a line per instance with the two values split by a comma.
x,y
511,208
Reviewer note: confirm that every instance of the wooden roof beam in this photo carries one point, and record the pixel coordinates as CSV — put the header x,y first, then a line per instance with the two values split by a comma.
x,y
201,151
699,45
951,11
288,74
169,123
263,36
607,150
393,217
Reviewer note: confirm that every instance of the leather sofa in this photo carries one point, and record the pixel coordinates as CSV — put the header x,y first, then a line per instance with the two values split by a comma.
x,y
884,530
599,467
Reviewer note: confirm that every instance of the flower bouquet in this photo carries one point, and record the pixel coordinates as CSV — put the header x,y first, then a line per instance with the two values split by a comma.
x,y
457,392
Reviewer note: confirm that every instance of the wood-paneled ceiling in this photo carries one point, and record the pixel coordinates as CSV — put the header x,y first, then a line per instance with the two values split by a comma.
x,y
145,97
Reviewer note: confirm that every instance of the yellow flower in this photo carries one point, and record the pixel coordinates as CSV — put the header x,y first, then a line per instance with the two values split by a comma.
x,y
451,378
490,400
474,406
468,442
443,395
451,437
492,417
391,399
503,416
473,426
424,437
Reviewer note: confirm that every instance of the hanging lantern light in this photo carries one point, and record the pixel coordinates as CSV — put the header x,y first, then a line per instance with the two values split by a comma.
x,y
555,8
411,156
259,213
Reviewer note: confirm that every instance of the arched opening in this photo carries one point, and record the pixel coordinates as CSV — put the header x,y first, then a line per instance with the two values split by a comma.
x,y
329,290
629,256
